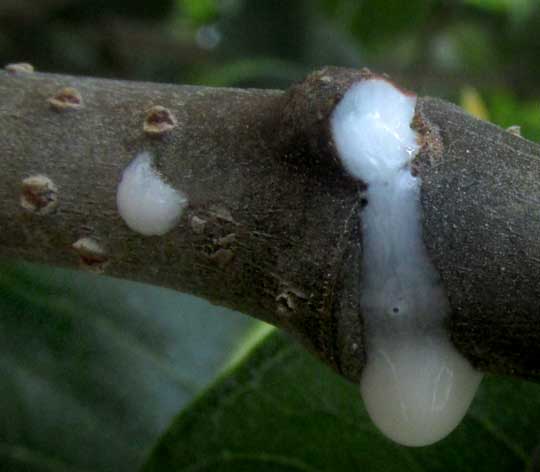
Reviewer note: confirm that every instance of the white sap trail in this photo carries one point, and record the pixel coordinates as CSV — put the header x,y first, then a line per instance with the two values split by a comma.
x,y
146,203
416,386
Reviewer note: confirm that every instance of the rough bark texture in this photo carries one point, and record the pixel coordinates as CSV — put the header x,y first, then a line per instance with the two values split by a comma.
x,y
481,199
273,223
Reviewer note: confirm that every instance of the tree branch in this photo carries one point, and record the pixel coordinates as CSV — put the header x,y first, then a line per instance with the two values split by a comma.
x,y
273,223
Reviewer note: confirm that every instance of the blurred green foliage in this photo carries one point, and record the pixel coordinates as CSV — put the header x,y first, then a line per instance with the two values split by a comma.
x,y
199,11
516,7
436,47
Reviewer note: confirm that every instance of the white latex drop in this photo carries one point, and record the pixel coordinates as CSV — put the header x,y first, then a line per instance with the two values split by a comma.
x,y
146,203
416,386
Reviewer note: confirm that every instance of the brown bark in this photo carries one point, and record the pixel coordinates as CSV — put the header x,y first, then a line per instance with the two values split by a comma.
x,y
273,223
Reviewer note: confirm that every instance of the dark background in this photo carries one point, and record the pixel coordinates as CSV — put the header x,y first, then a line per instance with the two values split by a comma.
x,y
480,53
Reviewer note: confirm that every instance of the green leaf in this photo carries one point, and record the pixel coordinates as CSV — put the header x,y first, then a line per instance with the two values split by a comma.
x,y
373,22
94,369
199,11
507,110
252,71
502,6
281,410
